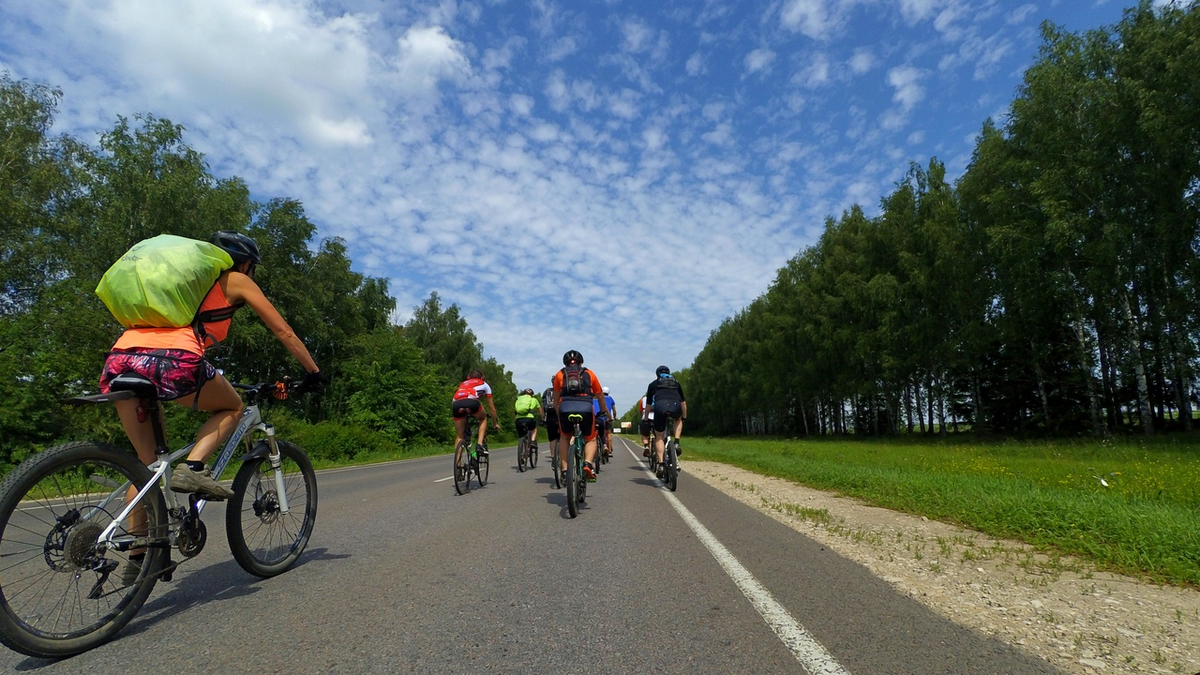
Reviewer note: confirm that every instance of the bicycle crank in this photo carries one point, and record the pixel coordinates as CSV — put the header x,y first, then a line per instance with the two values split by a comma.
x,y
192,537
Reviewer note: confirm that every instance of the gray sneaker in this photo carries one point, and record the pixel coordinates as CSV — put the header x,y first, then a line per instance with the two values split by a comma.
x,y
183,479
130,572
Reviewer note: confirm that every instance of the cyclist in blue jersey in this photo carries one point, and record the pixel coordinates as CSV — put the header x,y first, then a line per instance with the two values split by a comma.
x,y
604,423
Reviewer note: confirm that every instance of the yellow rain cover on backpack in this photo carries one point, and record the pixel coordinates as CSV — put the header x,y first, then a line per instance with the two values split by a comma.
x,y
161,281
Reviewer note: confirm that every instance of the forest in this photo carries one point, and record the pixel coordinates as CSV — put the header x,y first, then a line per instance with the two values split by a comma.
x,y
1051,290
68,210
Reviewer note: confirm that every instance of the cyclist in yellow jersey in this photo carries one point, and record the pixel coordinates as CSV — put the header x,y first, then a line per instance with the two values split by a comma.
x,y
528,411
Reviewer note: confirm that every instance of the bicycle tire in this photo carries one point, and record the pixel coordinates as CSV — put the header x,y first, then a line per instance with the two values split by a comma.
x,y
580,453
533,455
53,576
571,479
462,468
670,466
522,453
264,541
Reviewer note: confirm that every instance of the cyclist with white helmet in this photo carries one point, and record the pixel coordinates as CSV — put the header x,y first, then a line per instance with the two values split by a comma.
x,y
604,425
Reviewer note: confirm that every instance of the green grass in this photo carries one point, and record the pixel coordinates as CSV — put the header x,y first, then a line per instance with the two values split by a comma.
x,y
1049,494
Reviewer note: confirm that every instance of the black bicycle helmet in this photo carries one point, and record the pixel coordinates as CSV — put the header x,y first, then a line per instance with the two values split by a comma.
x,y
528,391
239,247
572,356
662,370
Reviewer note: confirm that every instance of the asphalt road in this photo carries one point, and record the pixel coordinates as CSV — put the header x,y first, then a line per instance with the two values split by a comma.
x,y
403,575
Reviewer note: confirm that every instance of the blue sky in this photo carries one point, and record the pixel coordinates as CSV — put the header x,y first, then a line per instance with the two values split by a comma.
x,y
610,176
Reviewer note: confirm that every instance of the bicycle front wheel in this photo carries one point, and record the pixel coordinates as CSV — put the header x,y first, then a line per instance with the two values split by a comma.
x,y
264,540
522,453
462,468
533,455
61,592
481,469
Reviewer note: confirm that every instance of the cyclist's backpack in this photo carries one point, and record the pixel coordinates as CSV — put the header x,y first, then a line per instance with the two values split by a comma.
x,y
548,399
576,381
162,281
667,384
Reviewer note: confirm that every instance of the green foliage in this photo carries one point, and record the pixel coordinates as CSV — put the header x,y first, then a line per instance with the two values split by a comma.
x,y
1054,290
67,211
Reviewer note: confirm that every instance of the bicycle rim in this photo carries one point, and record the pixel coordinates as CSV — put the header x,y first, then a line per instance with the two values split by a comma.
x,y
60,593
264,540
462,469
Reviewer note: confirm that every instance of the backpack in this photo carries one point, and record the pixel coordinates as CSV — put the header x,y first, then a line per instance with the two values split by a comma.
x,y
577,381
548,399
162,281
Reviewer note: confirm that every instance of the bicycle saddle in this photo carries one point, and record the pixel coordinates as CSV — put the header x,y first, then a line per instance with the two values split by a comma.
x,y
139,385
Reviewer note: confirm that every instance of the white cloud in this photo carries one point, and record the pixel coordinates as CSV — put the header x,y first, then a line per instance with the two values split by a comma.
x,y
695,65
815,74
810,17
426,56
636,36
759,60
862,61
906,80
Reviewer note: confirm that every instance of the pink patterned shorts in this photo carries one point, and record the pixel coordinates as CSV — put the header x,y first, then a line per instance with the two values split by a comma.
x,y
174,372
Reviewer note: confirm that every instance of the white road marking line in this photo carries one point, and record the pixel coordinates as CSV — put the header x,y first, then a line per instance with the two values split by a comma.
x,y
815,659
443,480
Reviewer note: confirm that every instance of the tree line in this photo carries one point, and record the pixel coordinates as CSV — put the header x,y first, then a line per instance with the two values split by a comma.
x,y
1053,289
68,210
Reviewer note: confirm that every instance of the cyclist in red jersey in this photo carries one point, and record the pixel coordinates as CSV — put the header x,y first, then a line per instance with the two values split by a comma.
x,y
467,403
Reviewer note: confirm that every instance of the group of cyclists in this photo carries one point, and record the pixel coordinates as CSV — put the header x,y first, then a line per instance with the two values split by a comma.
x,y
575,397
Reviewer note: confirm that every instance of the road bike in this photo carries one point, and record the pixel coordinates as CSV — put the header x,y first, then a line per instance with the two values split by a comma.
x,y
573,478
526,451
73,515
470,458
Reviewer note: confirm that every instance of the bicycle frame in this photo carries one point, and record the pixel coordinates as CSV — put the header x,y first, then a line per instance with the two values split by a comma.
x,y
251,421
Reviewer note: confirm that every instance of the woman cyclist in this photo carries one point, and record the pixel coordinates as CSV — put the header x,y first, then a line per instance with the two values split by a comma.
x,y
173,359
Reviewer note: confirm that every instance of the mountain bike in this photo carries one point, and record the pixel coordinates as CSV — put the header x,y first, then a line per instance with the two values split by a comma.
x,y
601,444
71,517
469,459
526,452
573,478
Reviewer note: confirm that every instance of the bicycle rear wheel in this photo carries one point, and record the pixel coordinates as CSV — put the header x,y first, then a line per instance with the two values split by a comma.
x,y
264,540
671,466
60,592
462,468
572,479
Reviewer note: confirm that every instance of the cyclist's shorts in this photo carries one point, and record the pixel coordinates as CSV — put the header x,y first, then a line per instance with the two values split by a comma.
x,y
645,426
465,407
526,424
174,372
664,408
573,412
552,432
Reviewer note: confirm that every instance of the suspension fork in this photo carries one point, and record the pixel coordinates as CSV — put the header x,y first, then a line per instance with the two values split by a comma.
x,y
275,459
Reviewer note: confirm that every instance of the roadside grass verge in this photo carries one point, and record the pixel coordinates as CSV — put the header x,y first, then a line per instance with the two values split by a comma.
x,y
1143,519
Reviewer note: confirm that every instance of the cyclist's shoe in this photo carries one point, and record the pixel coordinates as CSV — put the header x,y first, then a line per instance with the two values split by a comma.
x,y
678,449
184,479
483,450
645,451
659,470
130,572
589,472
